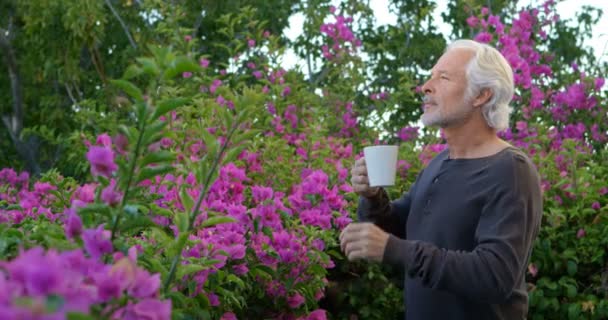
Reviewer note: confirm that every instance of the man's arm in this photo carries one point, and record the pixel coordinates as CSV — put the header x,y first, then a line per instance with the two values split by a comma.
x,y
507,228
389,216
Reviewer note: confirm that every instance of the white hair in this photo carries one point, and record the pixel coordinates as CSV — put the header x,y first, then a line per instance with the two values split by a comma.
x,y
488,69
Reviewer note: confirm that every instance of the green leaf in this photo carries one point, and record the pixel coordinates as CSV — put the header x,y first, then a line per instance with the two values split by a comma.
x,y
153,132
212,221
574,311
168,105
572,268
128,132
246,136
54,302
79,316
233,153
161,211
571,291
178,299
178,245
180,65
150,172
210,142
157,157
129,88
181,221
228,117
131,72
186,199
149,66
188,269
93,208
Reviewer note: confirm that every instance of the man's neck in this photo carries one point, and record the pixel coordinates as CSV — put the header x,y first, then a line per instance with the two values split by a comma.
x,y
472,141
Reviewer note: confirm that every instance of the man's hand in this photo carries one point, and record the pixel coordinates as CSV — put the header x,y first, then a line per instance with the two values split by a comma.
x,y
363,241
359,180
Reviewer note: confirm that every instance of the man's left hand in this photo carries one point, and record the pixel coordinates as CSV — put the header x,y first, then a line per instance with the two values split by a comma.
x,y
363,241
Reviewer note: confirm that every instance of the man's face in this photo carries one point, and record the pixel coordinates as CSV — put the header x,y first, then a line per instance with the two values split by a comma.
x,y
445,103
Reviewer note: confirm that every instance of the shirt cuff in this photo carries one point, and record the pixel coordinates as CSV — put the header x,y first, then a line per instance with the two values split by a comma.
x,y
399,252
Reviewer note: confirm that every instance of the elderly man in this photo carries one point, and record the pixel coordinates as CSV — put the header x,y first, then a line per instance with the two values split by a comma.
x,y
464,232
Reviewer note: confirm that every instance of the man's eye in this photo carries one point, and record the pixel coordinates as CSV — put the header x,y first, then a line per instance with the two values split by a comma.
x,y
444,78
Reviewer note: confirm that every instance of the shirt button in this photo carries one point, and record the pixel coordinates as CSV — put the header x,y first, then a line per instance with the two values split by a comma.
x,y
428,202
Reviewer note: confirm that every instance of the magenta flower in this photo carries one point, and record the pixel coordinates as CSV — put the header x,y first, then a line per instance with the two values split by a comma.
x,y
148,309
581,233
97,242
110,196
102,161
472,21
73,224
228,316
104,140
295,300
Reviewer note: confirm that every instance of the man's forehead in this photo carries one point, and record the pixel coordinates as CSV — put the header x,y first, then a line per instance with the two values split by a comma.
x,y
453,61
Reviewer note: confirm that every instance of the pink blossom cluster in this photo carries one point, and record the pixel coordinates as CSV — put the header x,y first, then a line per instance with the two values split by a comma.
x,y
31,282
342,41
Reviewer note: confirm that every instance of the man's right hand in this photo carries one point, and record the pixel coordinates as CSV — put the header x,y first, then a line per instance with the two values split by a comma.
x,y
359,180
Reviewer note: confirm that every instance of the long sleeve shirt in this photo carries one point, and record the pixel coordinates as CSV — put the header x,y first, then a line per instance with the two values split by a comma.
x,y
463,235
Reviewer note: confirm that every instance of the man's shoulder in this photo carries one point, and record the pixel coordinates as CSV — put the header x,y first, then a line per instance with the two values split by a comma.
x,y
513,162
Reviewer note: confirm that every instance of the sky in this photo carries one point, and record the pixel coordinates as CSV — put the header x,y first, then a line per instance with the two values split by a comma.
x,y
566,9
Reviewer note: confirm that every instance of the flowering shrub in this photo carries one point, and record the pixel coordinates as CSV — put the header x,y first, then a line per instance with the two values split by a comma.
x,y
222,193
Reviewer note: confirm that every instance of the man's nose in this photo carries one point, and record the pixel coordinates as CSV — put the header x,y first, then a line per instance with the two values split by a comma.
x,y
427,87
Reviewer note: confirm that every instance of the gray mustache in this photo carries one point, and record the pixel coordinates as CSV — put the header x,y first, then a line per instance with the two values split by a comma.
x,y
427,99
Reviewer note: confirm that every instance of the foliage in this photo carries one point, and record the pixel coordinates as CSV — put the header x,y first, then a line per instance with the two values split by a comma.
x,y
183,168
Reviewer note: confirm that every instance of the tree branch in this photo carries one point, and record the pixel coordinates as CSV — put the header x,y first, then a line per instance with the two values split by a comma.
x,y
122,24
15,122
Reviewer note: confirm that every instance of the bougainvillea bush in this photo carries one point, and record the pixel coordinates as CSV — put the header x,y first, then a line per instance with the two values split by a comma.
x,y
220,191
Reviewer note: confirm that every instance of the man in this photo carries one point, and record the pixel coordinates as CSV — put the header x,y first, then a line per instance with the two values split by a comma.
x,y
464,232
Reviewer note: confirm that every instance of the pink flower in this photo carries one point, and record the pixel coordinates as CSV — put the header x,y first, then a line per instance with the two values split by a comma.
x,y
73,224
295,300
97,242
483,37
188,38
104,140
596,205
472,21
102,161
203,62
187,75
251,43
148,309
532,269
213,87
318,314
581,233
110,196
228,316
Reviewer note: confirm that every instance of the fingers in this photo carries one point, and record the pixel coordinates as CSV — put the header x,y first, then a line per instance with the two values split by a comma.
x,y
360,168
354,237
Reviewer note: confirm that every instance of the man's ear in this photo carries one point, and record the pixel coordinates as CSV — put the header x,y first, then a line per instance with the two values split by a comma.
x,y
483,97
